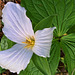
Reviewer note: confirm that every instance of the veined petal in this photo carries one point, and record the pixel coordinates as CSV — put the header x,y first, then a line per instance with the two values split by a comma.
x,y
43,40
17,26
15,59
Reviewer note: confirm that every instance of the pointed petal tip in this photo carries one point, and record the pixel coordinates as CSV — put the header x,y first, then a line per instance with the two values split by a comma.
x,y
54,28
45,56
43,42
48,56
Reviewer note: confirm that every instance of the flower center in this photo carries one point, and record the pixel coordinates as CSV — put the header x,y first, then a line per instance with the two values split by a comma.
x,y
29,42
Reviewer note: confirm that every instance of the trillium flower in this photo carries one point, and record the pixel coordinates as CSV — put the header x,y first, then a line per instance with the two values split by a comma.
x,y
18,28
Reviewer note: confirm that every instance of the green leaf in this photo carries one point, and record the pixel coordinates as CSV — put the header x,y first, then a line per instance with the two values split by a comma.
x,y
2,70
69,23
68,46
6,43
55,57
71,30
63,9
45,23
31,70
39,9
36,8
69,38
42,64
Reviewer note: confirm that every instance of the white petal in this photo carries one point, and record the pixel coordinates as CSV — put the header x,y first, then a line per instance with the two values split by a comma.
x,y
15,59
17,26
43,40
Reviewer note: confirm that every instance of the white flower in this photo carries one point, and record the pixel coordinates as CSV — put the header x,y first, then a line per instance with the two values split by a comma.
x,y
18,28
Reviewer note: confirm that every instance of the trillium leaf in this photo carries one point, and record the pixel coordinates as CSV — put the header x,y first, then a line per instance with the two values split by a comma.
x,y
40,9
45,23
68,46
63,12
54,57
6,43
36,8
41,64
71,30
69,23
31,70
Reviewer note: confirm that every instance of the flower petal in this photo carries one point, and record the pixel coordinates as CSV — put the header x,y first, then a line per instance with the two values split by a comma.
x,y
43,40
17,26
15,59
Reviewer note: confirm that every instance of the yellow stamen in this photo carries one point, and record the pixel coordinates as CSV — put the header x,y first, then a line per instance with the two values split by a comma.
x,y
28,39
29,42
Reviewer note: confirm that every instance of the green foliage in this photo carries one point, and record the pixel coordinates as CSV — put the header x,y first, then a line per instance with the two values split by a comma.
x,y
2,70
42,64
31,70
6,43
40,10
71,30
68,46
55,57
45,23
